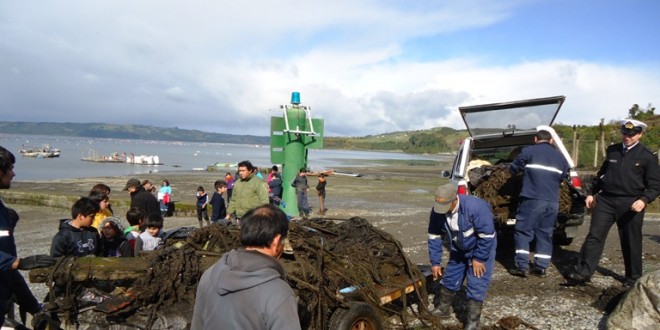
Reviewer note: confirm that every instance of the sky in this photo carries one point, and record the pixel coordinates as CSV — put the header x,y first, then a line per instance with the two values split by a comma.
x,y
364,67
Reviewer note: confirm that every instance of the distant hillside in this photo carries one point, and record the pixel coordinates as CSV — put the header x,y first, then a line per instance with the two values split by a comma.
x,y
434,140
136,132
431,141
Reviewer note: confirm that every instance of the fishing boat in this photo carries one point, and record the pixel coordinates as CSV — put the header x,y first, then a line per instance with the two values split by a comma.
x,y
45,151
93,156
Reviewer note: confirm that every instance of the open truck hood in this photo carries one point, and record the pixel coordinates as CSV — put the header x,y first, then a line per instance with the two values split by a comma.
x,y
509,117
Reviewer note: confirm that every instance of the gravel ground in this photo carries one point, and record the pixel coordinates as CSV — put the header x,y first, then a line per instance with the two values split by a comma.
x,y
397,200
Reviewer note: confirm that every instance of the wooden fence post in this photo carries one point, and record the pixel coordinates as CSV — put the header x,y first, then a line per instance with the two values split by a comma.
x,y
596,155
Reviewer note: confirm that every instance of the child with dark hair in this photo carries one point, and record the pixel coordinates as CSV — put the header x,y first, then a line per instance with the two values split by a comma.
x,y
320,190
77,237
218,207
202,202
151,238
113,243
135,217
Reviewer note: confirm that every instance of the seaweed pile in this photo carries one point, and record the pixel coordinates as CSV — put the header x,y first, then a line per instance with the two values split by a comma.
x,y
329,255
496,185
160,292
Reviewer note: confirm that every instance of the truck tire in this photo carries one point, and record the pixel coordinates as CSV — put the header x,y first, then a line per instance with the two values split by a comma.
x,y
359,316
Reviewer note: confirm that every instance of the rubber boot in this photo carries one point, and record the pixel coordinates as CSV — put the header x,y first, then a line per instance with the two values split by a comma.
x,y
474,315
443,301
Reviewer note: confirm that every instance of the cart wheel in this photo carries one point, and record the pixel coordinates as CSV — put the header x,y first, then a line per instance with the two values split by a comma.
x,y
359,316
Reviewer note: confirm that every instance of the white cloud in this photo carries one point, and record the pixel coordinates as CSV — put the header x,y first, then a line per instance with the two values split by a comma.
x,y
162,62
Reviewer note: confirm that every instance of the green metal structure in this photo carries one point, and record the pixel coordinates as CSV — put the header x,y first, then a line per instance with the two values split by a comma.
x,y
291,137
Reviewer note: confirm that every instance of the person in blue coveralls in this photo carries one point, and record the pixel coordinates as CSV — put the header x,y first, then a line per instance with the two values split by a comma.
x,y
466,222
544,169
12,282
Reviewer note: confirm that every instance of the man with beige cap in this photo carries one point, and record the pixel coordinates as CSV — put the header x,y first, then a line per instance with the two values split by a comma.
x,y
467,223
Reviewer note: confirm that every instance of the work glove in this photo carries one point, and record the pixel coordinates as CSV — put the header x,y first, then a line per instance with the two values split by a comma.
x,y
36,261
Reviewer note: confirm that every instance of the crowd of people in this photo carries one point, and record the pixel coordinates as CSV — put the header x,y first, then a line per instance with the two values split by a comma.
x,y
246,288
94,229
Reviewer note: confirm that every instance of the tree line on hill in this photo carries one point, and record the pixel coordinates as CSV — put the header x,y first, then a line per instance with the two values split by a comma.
x,y
443,140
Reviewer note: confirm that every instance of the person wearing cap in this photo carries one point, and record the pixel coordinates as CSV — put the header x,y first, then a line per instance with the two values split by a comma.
x,y
113,243
543,168
627,181
467,223
141,198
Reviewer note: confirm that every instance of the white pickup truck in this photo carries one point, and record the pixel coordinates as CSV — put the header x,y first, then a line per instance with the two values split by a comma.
x,y
498,132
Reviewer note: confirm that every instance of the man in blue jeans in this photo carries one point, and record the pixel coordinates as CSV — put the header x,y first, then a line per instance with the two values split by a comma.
x,y
544,168
300,183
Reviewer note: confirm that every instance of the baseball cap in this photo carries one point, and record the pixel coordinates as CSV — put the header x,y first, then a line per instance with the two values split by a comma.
x,y
132,182
444,195
632,126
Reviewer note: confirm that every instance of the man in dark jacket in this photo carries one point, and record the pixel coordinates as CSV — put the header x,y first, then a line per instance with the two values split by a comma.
x,y
300,183
544,168
77,237
467,223
141,198
625,184
246,288
275,186
11,281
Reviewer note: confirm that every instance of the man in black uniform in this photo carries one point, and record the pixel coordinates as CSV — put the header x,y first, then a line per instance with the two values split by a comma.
x,y
628,180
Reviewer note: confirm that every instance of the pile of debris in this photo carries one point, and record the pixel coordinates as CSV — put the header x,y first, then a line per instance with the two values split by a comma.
x,y
496,185
158,290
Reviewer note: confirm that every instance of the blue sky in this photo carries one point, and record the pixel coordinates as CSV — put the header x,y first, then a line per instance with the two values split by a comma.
x,y
365,67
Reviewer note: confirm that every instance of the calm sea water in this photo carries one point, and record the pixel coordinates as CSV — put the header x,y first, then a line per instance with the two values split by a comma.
x,y
175,156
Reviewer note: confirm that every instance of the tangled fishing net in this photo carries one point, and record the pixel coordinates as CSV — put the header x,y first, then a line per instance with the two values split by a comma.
x,y
329,256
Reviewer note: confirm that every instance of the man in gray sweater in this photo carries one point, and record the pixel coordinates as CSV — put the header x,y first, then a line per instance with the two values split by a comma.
x,y
246,289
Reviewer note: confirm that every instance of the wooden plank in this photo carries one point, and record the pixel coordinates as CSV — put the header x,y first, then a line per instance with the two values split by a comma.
x,y
398,286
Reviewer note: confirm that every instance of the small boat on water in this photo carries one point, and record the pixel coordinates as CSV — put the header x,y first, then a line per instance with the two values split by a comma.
x,y
45,151
93,156
221,166
143,159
